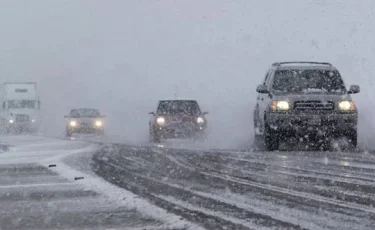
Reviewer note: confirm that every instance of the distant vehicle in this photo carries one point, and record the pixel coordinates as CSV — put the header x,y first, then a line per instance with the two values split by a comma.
x,y
84,121
20,107
304,99
177,119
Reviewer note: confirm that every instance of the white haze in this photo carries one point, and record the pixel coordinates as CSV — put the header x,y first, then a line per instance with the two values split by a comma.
x,y
122,56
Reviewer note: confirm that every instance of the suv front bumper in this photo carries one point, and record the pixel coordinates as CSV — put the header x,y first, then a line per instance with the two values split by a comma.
x,y
303,123
23,126
85,130
180,131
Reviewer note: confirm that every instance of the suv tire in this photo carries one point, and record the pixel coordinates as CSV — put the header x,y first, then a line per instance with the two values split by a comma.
x,y
258,142
68,133
271,139
352,138
154,137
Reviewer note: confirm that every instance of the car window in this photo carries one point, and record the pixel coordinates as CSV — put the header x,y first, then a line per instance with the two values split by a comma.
x,y
269,77
179,107
266,77
84,113
308,81
18,104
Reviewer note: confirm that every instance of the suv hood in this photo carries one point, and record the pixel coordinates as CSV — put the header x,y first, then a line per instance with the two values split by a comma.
x,y
176,118
313,97
86,119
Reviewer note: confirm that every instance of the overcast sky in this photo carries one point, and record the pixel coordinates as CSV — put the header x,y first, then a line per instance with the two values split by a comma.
x,y
121,56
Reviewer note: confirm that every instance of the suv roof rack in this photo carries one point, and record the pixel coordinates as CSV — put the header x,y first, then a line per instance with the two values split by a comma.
x,y
301,62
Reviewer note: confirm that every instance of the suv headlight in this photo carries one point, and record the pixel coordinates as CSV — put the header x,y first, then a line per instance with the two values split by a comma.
x,y
280,106
160,121
73,123
347,106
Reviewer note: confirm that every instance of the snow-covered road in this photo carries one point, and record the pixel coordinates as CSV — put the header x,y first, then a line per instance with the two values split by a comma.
x,y
168,186
39,190
249,190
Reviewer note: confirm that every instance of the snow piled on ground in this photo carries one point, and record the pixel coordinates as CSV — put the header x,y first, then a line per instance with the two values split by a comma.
x,y
46,151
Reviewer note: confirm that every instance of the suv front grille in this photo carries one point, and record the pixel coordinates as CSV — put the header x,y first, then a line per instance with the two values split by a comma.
x,y
22,118
311,105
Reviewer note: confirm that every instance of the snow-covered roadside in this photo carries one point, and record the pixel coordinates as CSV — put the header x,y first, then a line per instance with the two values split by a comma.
x,y
47,151
120,196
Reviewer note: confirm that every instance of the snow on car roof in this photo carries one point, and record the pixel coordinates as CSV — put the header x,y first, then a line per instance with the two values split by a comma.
x,y
305,66
180,99
84,109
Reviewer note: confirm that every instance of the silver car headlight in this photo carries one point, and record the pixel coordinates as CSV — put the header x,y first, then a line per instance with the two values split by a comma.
x,y
73,123
200,120
160,121
347,106
98,123
280,106
11,121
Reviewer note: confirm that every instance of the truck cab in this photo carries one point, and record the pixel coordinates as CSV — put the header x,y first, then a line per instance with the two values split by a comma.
x,y
20,107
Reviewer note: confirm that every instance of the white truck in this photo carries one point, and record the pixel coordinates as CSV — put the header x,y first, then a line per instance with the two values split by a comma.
x,y
20,107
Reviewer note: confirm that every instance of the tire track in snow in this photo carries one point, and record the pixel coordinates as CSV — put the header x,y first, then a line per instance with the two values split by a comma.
x,y
160,166
155,190
326,185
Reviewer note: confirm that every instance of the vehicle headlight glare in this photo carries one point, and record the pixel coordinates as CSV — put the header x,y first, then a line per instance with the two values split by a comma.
x,y
73,123
160,120
200,120
346,106
33,120
280,105
98,123
11,121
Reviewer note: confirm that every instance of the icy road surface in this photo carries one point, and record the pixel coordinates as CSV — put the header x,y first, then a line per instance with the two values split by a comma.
x,y
36,196
248,190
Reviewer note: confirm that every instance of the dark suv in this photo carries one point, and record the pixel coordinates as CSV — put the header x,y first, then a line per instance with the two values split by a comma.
x,y
177,119
304,99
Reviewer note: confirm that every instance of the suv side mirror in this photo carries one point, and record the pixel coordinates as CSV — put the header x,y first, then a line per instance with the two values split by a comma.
x,y
66,116
262,89
152,113
204,113
353,89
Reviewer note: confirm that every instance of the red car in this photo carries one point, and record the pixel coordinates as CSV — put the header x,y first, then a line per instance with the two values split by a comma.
x,y
177,119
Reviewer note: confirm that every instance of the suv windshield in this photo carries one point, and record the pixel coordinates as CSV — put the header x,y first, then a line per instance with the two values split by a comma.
x,y
178,107
308,81
76,113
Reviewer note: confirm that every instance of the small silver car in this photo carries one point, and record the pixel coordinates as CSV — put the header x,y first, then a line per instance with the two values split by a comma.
x,y
84,121
304,99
